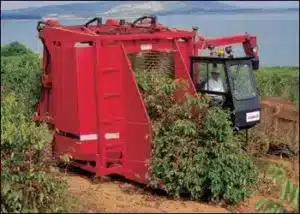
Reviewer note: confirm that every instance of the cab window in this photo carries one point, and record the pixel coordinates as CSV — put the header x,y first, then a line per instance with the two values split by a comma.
x,y
242,86
210,77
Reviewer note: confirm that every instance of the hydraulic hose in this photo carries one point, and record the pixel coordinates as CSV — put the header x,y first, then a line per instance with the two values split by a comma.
x,y
97,19
153,20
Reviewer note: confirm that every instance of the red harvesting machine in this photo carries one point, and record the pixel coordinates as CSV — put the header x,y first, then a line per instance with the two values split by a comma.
x,y
90,94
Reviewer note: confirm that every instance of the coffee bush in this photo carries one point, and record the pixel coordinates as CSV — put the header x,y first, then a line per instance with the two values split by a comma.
x,y
28,183
22,75
25,184
15,49
193,148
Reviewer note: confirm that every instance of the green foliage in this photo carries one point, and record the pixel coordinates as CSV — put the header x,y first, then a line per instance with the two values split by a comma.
x,y
26,187
289,192
279,82
193,149
22,75
218,125
28,183
15,49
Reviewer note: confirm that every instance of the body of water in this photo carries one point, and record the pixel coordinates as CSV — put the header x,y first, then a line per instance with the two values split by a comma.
x,y
277,34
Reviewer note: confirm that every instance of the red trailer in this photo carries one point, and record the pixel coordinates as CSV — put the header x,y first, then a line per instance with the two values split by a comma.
x,y
90,94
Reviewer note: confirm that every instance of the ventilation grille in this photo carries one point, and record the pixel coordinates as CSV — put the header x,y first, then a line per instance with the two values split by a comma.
x,y
150,61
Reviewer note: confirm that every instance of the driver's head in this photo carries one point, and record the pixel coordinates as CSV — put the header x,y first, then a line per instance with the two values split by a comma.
x,y
215,72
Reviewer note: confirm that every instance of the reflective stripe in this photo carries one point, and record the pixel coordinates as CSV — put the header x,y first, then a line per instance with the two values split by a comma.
x,y
88,137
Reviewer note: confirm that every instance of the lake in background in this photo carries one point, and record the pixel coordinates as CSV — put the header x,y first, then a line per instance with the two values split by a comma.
x,y
277,34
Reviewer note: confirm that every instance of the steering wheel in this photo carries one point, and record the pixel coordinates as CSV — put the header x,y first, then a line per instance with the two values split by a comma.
x,y
153,21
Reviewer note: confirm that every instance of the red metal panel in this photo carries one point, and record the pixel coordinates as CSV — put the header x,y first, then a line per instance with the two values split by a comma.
x,y
138,127
247,40
44,105
67,37
51,102
57,78
78,150
56,66
136,45
220,41
160,35
248,45
109,103
181,70
86,93
66,91
59,33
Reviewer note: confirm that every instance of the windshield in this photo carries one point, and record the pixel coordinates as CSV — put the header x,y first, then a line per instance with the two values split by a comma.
x,y
242,86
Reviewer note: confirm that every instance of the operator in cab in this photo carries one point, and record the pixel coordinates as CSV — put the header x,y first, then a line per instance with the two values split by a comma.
x,y
215,84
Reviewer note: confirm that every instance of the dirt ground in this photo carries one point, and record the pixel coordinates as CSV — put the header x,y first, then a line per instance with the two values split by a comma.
x,y
119,195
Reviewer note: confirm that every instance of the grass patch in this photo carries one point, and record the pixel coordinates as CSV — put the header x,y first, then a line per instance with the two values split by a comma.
x,y
280,82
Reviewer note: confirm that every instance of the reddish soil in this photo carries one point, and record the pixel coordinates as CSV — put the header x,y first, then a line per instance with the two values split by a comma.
x,y
122,196
119,195
281,118
277,100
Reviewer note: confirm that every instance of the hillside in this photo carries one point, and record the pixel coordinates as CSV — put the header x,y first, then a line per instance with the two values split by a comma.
x,y
125,8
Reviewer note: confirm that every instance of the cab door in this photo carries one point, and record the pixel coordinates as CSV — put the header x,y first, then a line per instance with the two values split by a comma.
x,y
245,99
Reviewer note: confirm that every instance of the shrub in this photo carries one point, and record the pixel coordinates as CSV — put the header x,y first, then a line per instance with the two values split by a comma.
x,y
15,49
25,184
22,75
193,149
27,181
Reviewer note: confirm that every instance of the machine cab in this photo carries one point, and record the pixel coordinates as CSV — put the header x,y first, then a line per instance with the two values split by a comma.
x,y
230,83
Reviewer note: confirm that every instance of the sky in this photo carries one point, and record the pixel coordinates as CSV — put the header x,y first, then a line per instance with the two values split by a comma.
x,y
8,5
264,4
